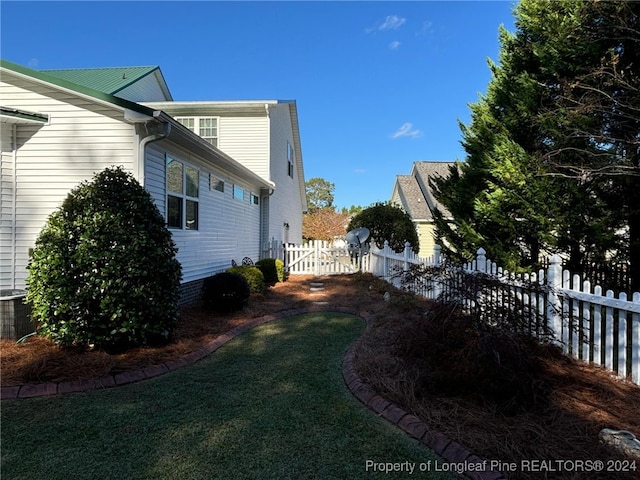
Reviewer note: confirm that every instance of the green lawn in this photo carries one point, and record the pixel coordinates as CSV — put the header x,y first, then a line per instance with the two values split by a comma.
x,y
269,404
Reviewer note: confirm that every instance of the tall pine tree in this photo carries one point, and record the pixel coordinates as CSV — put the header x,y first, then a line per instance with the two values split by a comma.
x,y
553,148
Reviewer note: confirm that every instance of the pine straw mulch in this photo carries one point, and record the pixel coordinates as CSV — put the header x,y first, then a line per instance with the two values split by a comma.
x,y
583,399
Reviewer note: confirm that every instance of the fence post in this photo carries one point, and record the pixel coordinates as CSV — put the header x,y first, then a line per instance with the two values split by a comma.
x,y
481,260
437,286
385,257
407,253
554,304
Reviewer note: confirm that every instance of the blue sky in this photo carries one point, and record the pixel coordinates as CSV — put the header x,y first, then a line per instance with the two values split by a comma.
x,y
378,85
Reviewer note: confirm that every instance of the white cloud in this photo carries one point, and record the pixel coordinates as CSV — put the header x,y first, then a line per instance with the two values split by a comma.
x,y
407,130
33,63
360,170
392,22
393,45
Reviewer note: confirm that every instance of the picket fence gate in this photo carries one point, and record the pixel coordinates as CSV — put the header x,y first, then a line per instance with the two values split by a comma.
x,y
318,257
596,327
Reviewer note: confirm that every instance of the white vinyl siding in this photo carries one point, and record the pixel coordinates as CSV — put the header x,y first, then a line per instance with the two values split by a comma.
x,y
146,89
7,192
228,229
256,134
81,139
246,139
284,205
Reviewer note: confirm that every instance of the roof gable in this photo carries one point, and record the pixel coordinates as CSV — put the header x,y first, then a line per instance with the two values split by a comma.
x,y
414,190
83,90
411,198
119,81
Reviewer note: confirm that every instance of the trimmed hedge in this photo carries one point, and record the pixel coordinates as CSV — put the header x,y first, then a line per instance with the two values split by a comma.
x,y
104,268
252,274
226,292
272,269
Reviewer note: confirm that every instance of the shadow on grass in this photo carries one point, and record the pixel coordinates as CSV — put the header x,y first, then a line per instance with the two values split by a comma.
x,y
269,404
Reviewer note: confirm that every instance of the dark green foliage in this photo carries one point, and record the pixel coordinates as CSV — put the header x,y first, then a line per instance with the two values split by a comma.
x,y
252,274
272,269
552,157
226,292
387,222
104,268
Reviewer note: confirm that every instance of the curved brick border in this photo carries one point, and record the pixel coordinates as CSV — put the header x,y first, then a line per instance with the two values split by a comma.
x,y
449,450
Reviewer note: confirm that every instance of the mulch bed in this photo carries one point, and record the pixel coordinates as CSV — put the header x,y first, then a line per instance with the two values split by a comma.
x,y
583,399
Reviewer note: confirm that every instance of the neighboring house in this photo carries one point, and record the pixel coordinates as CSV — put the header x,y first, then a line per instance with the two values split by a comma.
x,y
56,133
412,193
264,136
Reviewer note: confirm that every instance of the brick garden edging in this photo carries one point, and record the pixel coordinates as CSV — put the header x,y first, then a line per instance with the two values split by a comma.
x,y
448,450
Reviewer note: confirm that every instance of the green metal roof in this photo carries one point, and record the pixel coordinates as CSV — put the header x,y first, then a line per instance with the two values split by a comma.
x,y
76,87
107,80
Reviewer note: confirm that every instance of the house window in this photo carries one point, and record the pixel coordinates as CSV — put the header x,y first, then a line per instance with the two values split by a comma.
x,y
206,127
188,122
216,183
290,158
238,192
182,195
255,200
209,130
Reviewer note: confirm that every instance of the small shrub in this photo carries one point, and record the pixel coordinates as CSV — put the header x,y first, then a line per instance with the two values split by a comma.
x,y
252,274
104,268
226,292
272,269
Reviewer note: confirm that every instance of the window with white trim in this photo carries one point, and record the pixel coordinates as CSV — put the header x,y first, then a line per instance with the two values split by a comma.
x,y
182,195
290,158
255,200
206,127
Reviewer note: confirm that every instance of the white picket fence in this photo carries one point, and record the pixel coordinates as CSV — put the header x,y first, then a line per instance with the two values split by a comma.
x,y
319,257
603,329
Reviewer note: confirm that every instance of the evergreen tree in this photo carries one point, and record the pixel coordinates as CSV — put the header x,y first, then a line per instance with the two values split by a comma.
x,y
553,149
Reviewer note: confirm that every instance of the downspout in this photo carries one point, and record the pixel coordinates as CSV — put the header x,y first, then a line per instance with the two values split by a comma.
x,y
143,145
14,206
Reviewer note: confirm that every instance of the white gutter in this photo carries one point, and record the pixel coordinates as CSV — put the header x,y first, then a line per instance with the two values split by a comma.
x,y
140,118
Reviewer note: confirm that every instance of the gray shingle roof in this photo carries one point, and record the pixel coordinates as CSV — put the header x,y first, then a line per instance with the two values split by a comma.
x,y
415,192
423,171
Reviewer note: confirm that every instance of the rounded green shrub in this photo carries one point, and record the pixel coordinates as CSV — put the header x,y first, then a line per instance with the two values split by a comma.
x,y
272,269
226,292
104,268
252,274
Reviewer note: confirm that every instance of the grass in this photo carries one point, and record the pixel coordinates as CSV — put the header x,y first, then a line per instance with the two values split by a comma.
x,y
269,404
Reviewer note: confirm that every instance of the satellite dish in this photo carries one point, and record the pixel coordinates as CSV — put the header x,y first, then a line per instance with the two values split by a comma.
x,y
358,236
357,248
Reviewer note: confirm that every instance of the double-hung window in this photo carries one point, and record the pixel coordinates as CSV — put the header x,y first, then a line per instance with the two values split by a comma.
x,y
182,195
206,127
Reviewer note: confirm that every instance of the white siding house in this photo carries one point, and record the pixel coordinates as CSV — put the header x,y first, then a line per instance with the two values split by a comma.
x,y
56,133
264,136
